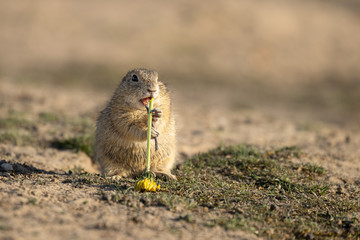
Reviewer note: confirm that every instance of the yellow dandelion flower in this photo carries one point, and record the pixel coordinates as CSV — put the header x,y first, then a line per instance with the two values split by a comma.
x,y
147,185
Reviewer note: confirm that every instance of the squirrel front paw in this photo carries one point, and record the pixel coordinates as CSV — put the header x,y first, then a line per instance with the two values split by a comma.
x,y
156,114
154,133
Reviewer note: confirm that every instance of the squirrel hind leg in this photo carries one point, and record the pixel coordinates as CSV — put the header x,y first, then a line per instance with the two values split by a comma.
x,y
115,177
114,172
165,175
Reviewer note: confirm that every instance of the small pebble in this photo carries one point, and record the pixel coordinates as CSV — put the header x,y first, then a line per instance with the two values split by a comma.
x,y
7,167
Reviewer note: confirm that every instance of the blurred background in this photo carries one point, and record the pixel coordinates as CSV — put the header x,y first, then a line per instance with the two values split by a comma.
x,y
296,57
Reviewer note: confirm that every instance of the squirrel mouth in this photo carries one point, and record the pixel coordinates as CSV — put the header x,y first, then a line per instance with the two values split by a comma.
x,y
145,101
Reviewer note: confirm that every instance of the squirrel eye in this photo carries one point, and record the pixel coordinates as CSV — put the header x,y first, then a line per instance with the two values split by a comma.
x,y
134,78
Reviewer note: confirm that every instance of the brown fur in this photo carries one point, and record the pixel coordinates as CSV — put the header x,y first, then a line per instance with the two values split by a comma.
x,y
121,133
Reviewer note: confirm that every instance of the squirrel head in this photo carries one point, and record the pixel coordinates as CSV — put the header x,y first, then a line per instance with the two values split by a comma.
x,y
137,87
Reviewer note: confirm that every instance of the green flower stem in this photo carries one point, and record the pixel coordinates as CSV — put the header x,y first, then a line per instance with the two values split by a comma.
x,y
149,135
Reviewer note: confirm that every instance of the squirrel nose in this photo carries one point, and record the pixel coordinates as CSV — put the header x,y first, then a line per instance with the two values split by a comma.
x,y
151,90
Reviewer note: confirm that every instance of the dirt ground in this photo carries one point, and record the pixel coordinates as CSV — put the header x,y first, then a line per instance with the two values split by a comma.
x,y
60,212
256,96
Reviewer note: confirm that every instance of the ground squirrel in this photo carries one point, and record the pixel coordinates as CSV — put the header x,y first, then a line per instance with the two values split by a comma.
x,y
121,129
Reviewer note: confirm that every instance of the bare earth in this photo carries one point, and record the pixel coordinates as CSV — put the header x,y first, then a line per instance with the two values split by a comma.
x,y
267,101
60,212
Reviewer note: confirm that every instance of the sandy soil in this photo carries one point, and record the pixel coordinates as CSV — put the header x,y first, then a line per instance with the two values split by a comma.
x,y
60,210
293,80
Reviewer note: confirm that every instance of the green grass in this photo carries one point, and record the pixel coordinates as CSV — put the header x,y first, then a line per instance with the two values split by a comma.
x,y
13,121
15,129
48,117
81,137
241,187
68,134
79,143
15,137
